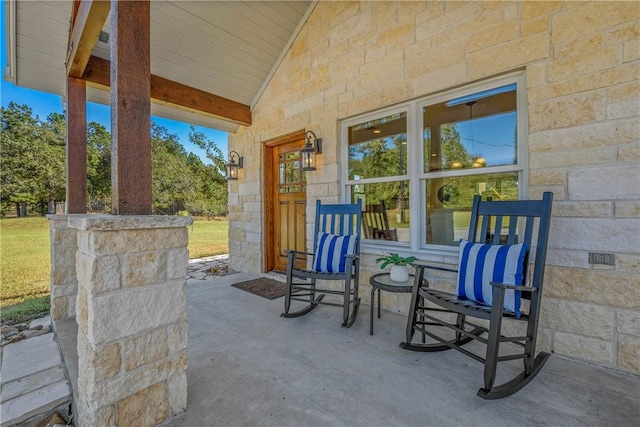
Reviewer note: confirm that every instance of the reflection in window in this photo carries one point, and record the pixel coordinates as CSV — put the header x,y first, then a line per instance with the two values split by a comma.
x,y
449,203
378,152
291,179
385,209
378,148
464,136
471,132
465,142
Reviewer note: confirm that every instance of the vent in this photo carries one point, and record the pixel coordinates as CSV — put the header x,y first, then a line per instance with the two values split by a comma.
x,y
600,258
104,37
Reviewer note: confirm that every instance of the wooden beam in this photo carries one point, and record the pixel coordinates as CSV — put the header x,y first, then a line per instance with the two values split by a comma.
x,y
130,108
87,24
185,97
74,13
177,95
76,146
98,72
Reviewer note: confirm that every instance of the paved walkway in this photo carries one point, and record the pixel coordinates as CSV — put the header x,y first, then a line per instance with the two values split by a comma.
x,y
208,267
34,382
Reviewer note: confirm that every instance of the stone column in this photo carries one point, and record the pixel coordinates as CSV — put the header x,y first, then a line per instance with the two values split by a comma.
x,y
132,319
64,282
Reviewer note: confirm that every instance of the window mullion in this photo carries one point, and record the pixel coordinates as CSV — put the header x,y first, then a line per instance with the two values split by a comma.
x,y
415,148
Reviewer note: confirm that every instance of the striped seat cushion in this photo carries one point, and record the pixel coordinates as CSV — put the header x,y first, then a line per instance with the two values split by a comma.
x,y
331,251
480,264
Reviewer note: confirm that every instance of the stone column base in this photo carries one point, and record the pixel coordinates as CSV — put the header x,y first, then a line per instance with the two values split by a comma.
x,y
132,319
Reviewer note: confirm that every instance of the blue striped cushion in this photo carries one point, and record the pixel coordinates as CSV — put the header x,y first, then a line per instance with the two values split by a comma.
x,y
480,264
331,251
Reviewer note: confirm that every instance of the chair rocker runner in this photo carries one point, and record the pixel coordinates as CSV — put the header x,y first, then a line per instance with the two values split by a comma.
x,y
492,276
336,257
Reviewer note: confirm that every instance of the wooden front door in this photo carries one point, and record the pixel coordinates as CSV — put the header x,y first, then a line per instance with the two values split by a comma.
x,y
286,220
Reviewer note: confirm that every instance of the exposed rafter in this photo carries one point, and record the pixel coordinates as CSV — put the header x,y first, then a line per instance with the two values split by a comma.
x,y
87,23
176,94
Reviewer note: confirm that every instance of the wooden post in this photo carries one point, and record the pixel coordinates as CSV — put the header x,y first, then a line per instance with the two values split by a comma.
x,y
130,108
76,146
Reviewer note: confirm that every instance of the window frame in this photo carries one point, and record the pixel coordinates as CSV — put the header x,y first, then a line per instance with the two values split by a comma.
x,y
416,175
400,108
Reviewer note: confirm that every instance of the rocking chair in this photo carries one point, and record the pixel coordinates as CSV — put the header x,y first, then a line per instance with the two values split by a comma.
x,y
336,256
492,276
375,223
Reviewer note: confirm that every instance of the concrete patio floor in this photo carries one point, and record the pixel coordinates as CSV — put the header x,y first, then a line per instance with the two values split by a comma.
x,y
247,366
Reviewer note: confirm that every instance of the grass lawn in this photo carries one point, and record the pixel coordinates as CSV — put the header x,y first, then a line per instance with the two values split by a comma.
x,y
25,262
208,238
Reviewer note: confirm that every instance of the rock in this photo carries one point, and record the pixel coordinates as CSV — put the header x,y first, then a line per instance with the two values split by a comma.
x,y
12,334
36,328
35,333
15,339
44,321
6,329
22,326
52,421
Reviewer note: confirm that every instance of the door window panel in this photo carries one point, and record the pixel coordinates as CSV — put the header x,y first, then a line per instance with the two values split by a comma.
x,y
291,178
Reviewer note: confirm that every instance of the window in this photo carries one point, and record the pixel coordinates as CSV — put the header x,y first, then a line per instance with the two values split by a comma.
x,y
423,162
378,170
291,178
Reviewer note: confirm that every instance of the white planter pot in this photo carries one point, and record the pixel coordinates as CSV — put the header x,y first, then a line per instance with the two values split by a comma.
x,y
399,273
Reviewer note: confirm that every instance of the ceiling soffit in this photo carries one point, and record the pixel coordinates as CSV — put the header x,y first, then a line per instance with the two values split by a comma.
x,y
229,49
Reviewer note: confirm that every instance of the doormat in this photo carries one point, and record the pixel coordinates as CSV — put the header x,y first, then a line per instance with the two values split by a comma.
x,y
266,288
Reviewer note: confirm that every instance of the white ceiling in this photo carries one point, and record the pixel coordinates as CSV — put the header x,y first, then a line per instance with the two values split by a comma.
x,y
226,48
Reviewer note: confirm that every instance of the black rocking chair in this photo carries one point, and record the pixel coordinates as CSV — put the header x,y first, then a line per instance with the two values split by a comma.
x,y
490,252
336,257
375,223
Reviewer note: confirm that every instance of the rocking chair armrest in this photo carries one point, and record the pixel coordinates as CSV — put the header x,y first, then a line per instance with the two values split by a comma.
x,y
427,265
288,251
514,287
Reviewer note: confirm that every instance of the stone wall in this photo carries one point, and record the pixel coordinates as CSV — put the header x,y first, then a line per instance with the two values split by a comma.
x,y
64,282
132,319
582,62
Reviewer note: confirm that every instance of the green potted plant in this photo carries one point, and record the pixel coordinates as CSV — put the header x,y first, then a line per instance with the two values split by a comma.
x,y
399,266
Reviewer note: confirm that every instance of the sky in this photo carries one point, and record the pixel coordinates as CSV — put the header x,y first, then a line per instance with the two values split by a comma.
x,y
44,104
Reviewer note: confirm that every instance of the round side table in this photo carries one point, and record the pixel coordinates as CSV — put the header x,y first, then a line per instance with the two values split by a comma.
x,y
383,282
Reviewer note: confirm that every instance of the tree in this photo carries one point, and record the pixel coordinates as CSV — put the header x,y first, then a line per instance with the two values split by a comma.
x,y
381,157
453,154
98,167
214,185
32,169
32,153
18,128
52,176
171,181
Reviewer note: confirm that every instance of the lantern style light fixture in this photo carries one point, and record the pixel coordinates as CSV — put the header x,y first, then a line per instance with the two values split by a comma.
x,y
308,153
232,166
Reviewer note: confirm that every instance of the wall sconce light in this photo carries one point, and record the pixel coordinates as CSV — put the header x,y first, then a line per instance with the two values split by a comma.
x,y
308,153
232,166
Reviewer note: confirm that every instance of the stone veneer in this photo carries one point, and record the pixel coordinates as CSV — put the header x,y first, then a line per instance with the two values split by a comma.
x,y
132,318
582,62
64,281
